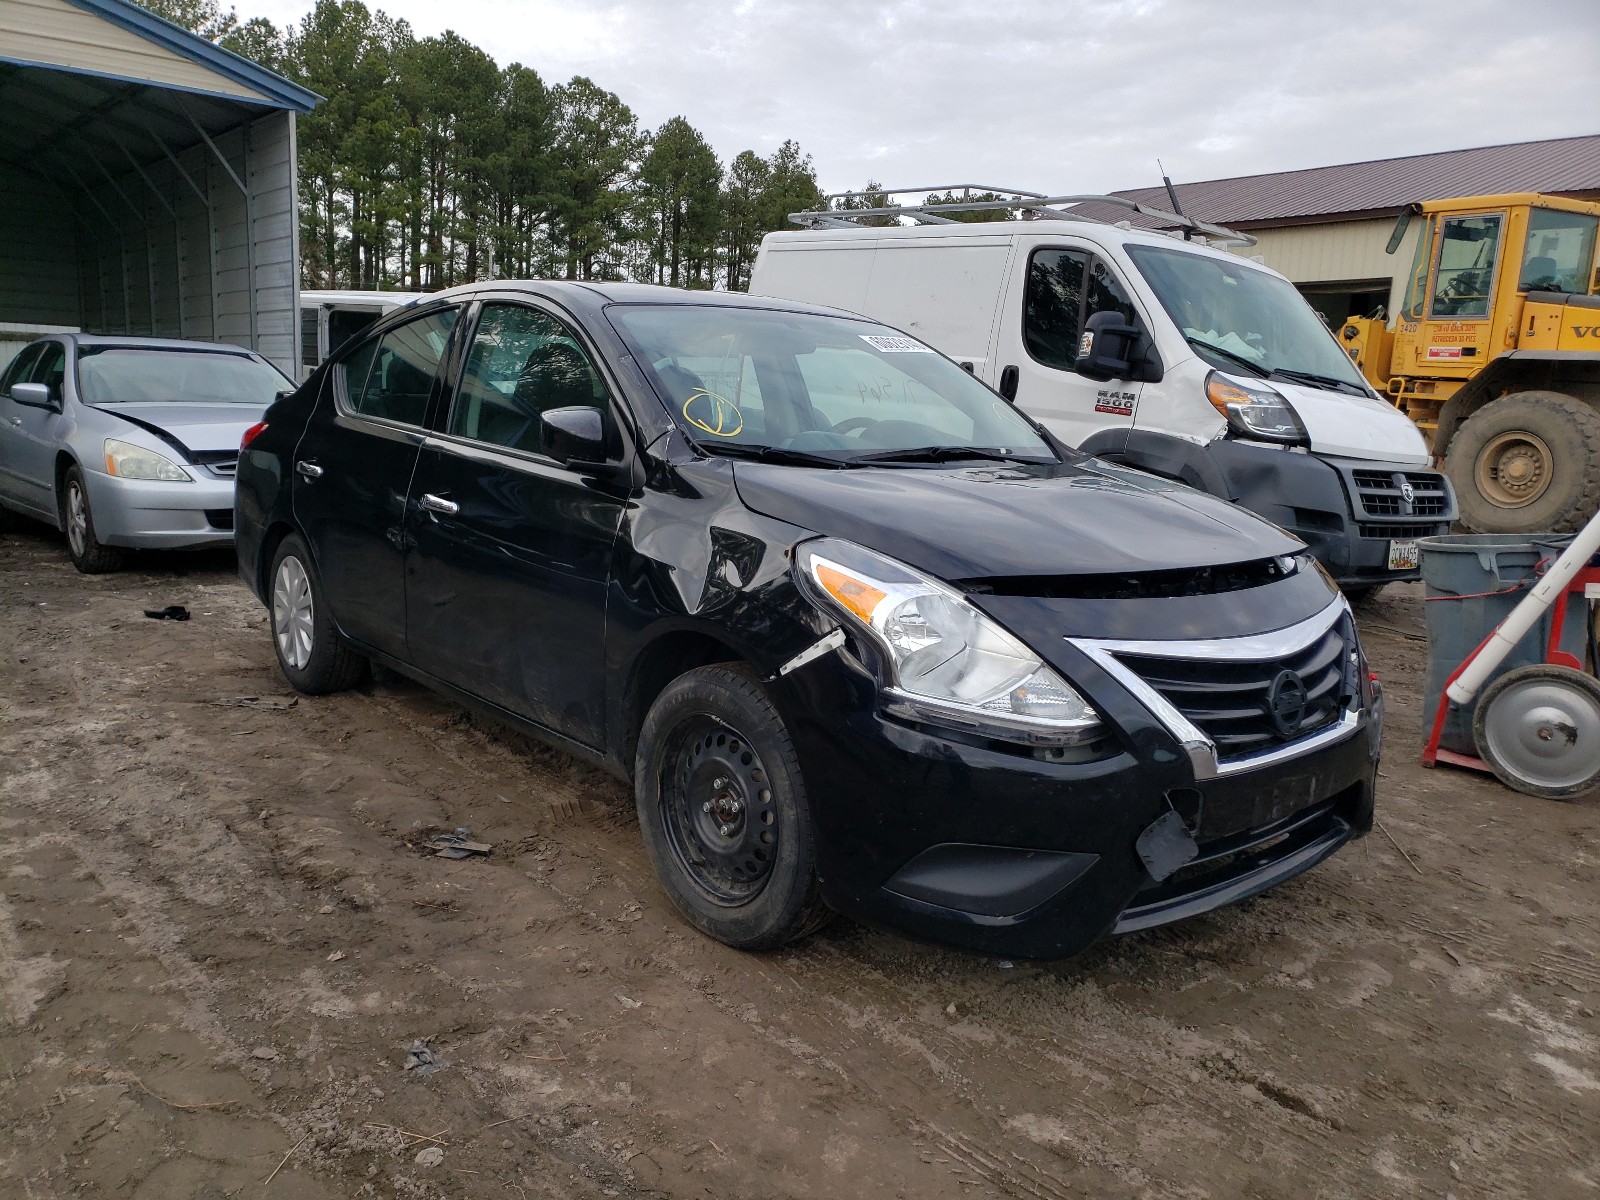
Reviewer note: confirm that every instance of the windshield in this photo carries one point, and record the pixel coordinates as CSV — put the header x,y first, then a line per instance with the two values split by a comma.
x,y
1233,315
134,375
746,380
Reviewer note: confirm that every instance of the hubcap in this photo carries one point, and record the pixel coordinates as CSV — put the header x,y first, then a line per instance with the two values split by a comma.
x,y
77,520
718,811
1514,469
1545,732
291,612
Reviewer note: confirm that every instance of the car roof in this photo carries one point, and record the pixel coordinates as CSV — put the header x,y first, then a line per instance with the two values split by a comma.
x,y
148,343
593,296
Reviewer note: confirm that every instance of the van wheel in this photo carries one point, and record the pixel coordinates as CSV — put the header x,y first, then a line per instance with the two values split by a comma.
x,y
724,813
1527,463
311,654
88,553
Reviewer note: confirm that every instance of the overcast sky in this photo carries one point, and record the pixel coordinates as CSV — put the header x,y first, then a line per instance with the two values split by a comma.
x,y
1058,95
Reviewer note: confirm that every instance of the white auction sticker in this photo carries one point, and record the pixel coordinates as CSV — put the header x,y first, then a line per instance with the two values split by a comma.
x,y
895,345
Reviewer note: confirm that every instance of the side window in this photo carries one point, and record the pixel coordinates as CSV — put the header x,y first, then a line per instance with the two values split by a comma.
x,y
1053,306
523,363
51,369
1106,294
400,378
1559,251
17,372
1467,252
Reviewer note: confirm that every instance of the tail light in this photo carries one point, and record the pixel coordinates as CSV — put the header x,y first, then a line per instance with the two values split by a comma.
x,y
252,434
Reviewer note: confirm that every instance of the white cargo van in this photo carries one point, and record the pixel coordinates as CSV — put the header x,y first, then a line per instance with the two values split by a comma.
x,y
328,319
1145,349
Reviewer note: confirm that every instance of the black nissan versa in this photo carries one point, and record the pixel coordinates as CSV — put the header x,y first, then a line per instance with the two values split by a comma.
x,y
864,637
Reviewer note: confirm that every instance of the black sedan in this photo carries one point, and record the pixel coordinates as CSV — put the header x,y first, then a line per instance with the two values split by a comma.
x,y
864,637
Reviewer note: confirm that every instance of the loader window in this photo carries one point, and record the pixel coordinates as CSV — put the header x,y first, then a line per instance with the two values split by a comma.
x,y
1559,250
1465,277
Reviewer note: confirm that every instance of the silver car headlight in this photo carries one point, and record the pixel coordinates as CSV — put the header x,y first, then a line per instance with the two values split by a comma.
x,y
127,461
948,663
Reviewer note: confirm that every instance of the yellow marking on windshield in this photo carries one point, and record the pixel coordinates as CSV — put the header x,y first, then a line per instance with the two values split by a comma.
x,y
713,414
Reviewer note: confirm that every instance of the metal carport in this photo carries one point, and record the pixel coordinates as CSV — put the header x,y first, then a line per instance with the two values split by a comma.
x,y
147,181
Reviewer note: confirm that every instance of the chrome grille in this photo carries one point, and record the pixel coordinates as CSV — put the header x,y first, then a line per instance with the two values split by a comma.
x,y
1230,701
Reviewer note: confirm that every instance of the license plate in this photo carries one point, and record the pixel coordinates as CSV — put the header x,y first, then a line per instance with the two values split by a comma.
x,y
1405,556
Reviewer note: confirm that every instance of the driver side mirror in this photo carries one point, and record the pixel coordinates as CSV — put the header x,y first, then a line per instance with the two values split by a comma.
x,y
574,437
34,395
1105,350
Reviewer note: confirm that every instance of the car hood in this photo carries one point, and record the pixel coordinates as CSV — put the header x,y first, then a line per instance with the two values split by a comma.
x,y
1348,426
992,520
197,426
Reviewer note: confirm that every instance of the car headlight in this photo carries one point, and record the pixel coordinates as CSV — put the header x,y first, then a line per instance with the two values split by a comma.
x,y
127,461
1257,412
948,663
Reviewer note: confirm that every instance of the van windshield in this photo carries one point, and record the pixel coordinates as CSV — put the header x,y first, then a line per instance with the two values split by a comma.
x,y
1236,316
752,382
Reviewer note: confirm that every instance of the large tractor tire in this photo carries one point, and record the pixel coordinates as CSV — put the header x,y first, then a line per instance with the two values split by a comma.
x,y
1527,463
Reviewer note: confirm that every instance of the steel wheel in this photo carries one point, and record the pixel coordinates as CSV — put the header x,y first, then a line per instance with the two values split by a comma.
x,y
77,519
1538,727
718,812
1514,469
293,619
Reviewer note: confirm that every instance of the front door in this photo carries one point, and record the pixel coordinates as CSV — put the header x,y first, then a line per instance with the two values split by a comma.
x,y
14,420
1062,288
352,470
29,449
510,552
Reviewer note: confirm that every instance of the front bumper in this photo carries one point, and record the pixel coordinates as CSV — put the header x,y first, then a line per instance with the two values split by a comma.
x,y
156,515
1346,511
1002,853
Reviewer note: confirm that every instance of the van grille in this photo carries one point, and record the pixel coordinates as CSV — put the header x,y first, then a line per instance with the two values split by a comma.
x,y
1230,701
1415,529
1382,494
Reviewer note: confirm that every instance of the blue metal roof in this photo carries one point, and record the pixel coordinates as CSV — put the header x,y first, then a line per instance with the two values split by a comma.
x,y
276,91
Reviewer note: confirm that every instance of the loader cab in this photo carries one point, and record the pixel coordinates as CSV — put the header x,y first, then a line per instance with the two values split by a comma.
x,y
1479,263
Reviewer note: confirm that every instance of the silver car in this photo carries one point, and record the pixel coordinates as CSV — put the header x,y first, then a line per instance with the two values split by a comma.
x,y
128,442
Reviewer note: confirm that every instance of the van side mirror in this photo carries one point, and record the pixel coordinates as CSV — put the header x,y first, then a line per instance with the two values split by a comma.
x,y
573,436
34,395
1105,349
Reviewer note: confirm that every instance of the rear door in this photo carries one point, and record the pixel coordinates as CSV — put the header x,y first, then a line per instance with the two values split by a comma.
x,y
13,478
353,467
509,551
1059,288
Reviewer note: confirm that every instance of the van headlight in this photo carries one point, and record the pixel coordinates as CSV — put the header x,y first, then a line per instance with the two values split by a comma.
x,y
127,461
1256,412
948,663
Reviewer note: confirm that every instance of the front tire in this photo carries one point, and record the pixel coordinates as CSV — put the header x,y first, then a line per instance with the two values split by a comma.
x,y
311,654
88,553
724,813
1527,463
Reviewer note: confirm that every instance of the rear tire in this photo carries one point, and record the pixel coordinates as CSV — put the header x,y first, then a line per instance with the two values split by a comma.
x,y
724,813
1527,463
314,658
88,553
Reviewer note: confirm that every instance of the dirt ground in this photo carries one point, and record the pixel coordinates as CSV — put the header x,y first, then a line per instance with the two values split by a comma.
x,y
218,941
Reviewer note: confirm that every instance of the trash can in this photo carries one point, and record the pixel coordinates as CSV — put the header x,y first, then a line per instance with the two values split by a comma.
x,y
1473,582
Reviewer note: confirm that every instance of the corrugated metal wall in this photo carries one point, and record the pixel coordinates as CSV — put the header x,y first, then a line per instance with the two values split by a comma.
x,y
166,250
1342,251
174,270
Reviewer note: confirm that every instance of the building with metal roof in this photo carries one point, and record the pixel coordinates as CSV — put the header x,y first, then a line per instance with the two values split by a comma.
x,y
1326,228
148,183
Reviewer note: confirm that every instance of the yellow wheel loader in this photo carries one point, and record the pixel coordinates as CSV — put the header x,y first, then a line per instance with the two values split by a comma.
x,y
1496,355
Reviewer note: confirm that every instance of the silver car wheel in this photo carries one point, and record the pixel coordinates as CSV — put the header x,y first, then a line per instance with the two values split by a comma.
x,y
292,612
77,520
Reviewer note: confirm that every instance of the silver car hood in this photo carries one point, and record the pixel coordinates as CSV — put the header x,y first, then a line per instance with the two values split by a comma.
x,y
196,426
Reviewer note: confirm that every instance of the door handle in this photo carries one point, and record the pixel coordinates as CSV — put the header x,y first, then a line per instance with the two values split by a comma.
x,y
1008,382
439,504
309,469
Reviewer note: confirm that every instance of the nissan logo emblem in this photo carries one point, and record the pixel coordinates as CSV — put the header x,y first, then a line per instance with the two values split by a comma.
x,y
1286,703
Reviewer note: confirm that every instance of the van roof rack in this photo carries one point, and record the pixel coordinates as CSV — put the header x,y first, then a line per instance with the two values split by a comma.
x,y
1032,205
